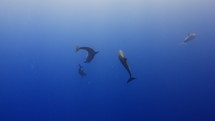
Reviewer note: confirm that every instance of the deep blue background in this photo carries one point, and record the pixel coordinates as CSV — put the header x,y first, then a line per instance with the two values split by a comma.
x,y
39,78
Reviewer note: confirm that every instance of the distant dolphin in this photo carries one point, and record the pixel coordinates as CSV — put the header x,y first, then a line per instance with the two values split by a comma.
x,y
188,38
90,55
81,71
123,60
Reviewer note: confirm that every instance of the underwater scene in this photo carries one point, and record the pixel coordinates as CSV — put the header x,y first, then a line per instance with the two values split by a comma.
x,y
107,60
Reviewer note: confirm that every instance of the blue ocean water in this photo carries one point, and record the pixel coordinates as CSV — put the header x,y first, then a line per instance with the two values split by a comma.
x,y
39,78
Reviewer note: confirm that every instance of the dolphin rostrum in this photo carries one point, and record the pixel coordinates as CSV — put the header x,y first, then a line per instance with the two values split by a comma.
x,y
90,55
81,71
189,37
124,62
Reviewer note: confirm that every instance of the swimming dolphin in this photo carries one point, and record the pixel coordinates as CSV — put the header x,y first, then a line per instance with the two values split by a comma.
x,y
90,55
188,38
81,71
123,60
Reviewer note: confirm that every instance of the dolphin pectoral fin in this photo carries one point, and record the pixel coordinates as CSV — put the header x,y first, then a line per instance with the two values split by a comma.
x,y
131,79
96,52
80,66
86,61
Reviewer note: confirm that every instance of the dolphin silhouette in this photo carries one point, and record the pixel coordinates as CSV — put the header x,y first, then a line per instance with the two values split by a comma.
x,y
90,55
81,71
189,37
124,62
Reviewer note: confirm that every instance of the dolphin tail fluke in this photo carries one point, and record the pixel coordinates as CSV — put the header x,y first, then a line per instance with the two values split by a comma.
x,y
183,43
77,48
131,79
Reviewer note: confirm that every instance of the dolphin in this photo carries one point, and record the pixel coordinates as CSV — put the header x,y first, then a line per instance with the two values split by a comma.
x,y
124,62
189,37
90,55
81,71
